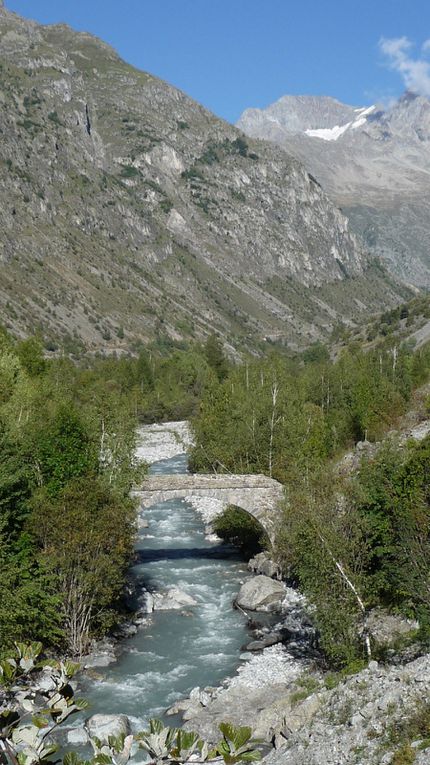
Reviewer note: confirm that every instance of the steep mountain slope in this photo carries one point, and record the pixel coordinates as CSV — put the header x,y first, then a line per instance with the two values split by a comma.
x,y
129,212
375,165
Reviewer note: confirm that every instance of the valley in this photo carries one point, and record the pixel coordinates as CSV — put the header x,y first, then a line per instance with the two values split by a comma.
x,y
214,400
144,217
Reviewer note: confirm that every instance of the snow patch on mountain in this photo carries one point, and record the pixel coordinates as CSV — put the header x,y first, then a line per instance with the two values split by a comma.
x,y
328,134
332,134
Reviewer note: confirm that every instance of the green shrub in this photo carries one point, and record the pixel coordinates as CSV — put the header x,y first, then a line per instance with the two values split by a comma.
x,y
236,526
129,171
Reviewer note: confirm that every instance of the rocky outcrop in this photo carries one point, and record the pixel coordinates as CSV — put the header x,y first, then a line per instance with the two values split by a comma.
x,y
139,214
374,163
352,723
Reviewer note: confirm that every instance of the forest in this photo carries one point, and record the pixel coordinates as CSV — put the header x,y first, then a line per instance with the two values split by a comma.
x,y
67,522
351,540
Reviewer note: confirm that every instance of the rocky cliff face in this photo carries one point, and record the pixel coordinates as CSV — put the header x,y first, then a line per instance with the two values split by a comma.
x,y
374,163
128,211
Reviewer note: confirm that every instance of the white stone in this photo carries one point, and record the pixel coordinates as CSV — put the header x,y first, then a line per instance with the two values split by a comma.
x,y
103,726
77,737
261,594
172,599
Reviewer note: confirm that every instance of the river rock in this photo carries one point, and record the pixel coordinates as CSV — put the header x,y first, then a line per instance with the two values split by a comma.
x,y
103,726
262,564
261,683
146,602
179,707
261,593
77,737
172,599
45,682
201,696
264,642
99,660
125,630
103,653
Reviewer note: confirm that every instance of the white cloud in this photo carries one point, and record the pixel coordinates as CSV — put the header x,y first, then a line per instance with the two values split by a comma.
x,y
415,72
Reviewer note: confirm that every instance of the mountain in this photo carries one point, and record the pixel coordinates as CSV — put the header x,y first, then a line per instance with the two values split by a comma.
x,y
129,213
374,163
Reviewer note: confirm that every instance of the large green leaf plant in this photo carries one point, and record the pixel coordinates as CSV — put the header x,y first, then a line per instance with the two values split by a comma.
x,y
37,696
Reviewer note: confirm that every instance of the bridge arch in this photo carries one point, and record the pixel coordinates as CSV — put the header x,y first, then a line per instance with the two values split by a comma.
x,y
257,495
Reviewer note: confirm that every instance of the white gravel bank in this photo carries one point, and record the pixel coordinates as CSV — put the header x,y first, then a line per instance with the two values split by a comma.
x,y
161,441
272,666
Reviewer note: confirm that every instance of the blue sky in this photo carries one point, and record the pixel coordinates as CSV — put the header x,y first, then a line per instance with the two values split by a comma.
x,y
230,54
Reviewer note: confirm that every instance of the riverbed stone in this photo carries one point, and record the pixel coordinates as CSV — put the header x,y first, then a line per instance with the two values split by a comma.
x,y
172,599
45,682
261,593
77,737
125,630
103,726
178,707
264,642
201,696
99,660
263,564
161,441
146,602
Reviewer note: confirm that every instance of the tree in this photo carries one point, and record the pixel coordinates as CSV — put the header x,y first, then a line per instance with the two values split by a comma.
x,y
30,354
392,498
61,448
215,357
322,545
29,605
86,535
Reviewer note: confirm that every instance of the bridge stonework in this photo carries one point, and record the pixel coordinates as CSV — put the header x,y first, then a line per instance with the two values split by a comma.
x,y
257,495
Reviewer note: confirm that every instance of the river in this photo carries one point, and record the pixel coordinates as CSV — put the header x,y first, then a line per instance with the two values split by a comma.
x,y
180,649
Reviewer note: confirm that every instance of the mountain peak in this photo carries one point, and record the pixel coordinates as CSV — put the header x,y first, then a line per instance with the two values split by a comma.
x,y
408,96
321,117
375,164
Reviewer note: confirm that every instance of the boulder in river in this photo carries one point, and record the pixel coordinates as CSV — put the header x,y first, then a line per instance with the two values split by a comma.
x,y
261,593
146,602
172,599
103,726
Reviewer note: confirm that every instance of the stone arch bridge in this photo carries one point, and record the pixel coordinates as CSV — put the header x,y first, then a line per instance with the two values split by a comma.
x,y
257,495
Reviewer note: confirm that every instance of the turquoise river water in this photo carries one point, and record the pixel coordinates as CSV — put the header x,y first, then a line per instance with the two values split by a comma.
x,y
176,650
